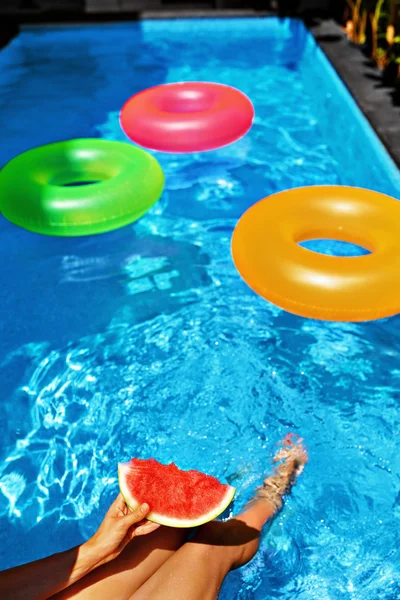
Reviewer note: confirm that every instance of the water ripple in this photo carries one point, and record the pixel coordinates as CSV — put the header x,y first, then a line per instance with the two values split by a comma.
x,y
145,342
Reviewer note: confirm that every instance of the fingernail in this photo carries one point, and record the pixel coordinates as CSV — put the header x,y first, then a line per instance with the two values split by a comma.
x,y
144,507
138,531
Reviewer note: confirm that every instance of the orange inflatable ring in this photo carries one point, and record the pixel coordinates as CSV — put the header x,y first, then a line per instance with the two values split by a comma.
x,y
266,252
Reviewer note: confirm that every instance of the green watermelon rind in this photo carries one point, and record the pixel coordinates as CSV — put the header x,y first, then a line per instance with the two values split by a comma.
x,y
170,521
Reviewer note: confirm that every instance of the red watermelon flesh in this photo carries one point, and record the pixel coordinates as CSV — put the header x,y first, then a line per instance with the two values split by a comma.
x,y
176,498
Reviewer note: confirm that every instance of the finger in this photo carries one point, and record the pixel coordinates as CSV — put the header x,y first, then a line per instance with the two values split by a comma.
x,y
137,515
117,506
146,528
119,502
131,531
130,534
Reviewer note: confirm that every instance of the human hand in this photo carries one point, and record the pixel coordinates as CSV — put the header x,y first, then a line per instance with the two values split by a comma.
x,y
119,527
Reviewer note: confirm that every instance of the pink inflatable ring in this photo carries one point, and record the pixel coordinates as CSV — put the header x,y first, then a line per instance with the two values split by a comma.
x,y
187,117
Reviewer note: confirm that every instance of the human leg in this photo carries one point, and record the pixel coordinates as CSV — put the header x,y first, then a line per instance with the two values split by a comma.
x,y
196,571
120,578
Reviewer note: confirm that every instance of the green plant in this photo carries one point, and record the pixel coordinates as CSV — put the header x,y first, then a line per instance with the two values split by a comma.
x,y
393,60
359,20
376,24
379,23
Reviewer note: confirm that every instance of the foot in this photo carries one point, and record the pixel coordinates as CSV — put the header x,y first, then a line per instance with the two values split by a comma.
x,y
290,460
292,449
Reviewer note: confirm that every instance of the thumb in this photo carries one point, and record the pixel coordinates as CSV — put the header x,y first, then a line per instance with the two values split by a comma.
x,y
137,515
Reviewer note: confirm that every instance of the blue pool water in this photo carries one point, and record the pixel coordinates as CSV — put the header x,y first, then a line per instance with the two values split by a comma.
x,y
146,342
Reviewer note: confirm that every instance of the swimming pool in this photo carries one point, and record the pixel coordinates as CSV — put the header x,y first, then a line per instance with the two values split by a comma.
x,y
146,342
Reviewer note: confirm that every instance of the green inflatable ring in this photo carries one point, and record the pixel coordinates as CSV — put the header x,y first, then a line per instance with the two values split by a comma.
x,y
36,191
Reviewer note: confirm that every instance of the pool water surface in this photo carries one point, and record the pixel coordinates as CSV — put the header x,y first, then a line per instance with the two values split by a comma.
x,y
146,342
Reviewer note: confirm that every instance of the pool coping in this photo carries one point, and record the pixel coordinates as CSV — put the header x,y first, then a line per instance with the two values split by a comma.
x,y
87,17
225,13
363,80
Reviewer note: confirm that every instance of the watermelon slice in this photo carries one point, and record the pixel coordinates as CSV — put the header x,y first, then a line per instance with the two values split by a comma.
x,y
176,498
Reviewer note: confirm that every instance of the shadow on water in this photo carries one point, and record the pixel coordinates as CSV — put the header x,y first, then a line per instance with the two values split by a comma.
x,y
119,271
82,77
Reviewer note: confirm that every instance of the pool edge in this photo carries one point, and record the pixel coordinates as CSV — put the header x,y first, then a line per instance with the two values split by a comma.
x,y
363,81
